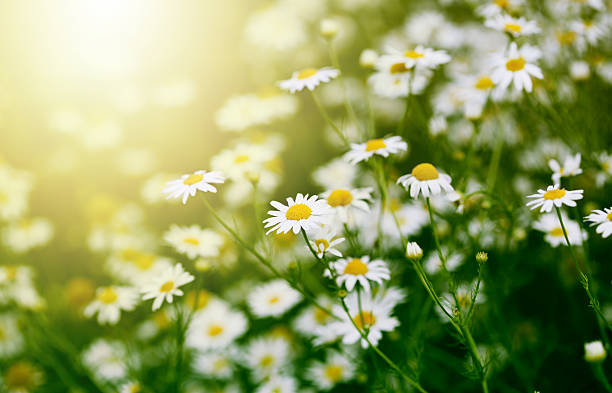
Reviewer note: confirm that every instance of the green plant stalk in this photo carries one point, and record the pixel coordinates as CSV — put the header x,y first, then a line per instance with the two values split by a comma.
x,y
328,119
494,167
601,376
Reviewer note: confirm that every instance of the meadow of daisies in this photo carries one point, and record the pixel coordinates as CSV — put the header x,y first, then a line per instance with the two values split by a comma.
x,y
403,197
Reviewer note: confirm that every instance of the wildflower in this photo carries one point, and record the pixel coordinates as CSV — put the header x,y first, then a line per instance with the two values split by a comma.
x,y
413,251
166,285
335,174
482,257
362,270
278,384
136,267
309,78
496,7
27,234
11,340
382,147
275,29
425,179
368,58
189,184
420,57
394,79
130,387
194,241
343,201
312,320
594,352
462,300
304,212
265,356
217,364
549,224
571,167
329,28
109,302
106,359
272,299
216,326
336,369
22,377
603,220
554,196
516,65
250,110
514,26
580,70
324,242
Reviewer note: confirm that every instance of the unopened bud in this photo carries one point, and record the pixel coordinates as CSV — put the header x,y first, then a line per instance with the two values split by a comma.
x,y
329,28
368,58
594,352
482,257
413,251
342,293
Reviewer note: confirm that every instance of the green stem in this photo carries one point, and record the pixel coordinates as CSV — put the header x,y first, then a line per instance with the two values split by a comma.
x,y
495,159
328,119
599,374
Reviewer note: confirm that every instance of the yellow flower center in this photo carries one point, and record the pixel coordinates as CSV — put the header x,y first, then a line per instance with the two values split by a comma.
x,y
484,83
554,194
375,144
215,330
11,272
107,295
323,242
161,319
610,216
191,240
364,319
340,197
299,211
356,267
566,37
556,232
502,3
266,361
241,158
220,364
513,27
20,377
167,286
334,372
425,171
193,179
515,65
307,73
320,316
413,54
398,68
273,300
135,389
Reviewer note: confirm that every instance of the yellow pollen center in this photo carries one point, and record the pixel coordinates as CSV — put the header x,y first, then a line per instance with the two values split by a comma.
x,y
554,194
322,242
566,37
107,295
215,330
340,197
11,272
298,212
241,158
135,389
320,316
192,241
356,267
557,232
515,65
398,68
513,27
610,216
375,144
19,377
484,83
193,179
502,3
425,171
273,300
167,286
266,361
364,319
413,54
307,73
334,373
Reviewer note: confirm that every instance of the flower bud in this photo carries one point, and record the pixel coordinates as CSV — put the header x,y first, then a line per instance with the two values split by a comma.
x,y
342,293
594,352
413,251
482,257
329,28
368,58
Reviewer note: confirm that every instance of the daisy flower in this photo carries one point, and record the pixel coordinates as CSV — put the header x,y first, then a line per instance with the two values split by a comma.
x,y
309,78
603,220
273,298
571,167
26,234
549,224
421,57
109,302
425,179
514,26
495,7
265,356
189,184
21,377
194,241
312,319
216,364
324,241
336,369
166,285
278,384
362,270
394,79
130,387
215,327
554,196
462,300
11,340
382,147
302,213
106,359
344,200
516,66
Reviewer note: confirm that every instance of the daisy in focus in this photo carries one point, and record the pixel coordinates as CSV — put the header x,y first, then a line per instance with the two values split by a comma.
x,y
166,285
514,26
324,241
362,270
189,184
425,179
343,201
603,220
570,167
516,65
382,147
273,299
307,213
109,302
308,78
549,224
554,197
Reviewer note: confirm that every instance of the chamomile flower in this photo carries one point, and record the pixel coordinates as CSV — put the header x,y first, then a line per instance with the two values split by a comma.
x,y
27,234
461,300
216,364
393,79
216,326
554,197
362,270
336,369
514,26
343,201
603,220
166,285
516,65
21,377
266,356
382,147
312,319
324,241
278,384
496,7
194,241
308,78
272,299
130,387
136,267
421,57
106,359
11,340
571,167
335,174
189,184
549,224
109,302
304,212
425,179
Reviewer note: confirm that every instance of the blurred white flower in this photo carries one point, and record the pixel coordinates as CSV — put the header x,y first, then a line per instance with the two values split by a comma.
x,y
166,285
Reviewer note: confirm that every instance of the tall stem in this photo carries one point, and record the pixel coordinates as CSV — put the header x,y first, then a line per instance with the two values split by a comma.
x,y
328,119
